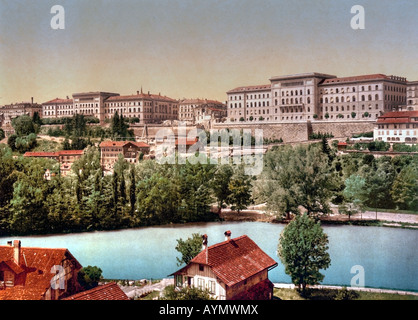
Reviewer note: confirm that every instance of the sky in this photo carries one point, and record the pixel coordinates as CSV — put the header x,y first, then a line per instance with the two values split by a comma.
x,y
196,48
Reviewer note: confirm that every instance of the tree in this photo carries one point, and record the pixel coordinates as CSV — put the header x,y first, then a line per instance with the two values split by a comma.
x,y
189,248
405,188
187,293
23,125
353,114
89,277
354,195
220,185
239,190
294,177
2,135
132,189
303,249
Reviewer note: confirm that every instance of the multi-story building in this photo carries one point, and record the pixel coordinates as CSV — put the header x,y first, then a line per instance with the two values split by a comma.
x,y
65,158
11,111
412,95
147,107
198,110
249,103
397,126
317,96
360,97
110,150
58,108
91,103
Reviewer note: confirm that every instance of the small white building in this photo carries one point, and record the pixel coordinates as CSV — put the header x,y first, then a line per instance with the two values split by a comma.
x,y
397,127
235,269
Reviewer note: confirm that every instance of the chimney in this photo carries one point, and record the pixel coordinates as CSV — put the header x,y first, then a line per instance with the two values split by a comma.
x,y
137,93
31,99
16,251
227,235
205,242
205,246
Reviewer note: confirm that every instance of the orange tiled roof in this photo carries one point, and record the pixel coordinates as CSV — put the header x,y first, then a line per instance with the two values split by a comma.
x,y
235,260
41,154
37,264
110,291
53,154
397,117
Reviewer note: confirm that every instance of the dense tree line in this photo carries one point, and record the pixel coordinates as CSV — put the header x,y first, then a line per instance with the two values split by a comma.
x,y
305,178
310,178
134,195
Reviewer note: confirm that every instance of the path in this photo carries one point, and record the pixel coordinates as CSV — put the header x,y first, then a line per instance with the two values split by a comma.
x,y
292,286
135,291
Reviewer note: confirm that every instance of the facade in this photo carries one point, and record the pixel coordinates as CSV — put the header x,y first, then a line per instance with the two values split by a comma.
x,y
110,150
58,108
246,103
412,95
147,107
28,273
397,127
11,111
199,110
65,158
236,269
317,96
361,97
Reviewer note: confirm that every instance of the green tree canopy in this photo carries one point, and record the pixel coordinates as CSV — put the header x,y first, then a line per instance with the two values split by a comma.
x,y
189,248
303,247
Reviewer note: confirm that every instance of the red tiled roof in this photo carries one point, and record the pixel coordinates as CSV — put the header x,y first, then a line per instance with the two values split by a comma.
x,y
110,291
70,152
357,78
188,142
235,260
397,117
37,264
41,154
53,154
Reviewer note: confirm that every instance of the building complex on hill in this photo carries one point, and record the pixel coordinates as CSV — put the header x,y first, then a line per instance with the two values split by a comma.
x,y
318,96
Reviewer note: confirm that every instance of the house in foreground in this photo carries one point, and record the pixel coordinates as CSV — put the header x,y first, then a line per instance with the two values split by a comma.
x,y
235,269
28,273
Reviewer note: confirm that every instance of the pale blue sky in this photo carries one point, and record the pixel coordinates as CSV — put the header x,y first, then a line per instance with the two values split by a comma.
x,y
196,48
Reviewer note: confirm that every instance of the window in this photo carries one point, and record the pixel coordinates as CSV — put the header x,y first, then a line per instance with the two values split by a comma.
x,y
179,280
201,267
201,283
212,286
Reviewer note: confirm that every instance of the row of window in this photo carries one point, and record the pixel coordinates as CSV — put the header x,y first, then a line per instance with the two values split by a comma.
x,y
395,133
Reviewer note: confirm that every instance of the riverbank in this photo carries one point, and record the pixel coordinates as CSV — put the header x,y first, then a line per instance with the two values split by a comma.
x,y
367,218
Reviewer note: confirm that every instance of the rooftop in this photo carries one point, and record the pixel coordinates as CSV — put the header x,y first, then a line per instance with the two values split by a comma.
x,y
235,260
37,264
122,144
110,291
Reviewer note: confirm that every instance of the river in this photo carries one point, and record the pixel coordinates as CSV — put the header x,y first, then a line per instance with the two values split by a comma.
x,y
388,256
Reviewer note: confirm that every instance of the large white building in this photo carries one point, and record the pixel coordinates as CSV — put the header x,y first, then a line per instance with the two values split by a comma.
x,y
317,96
